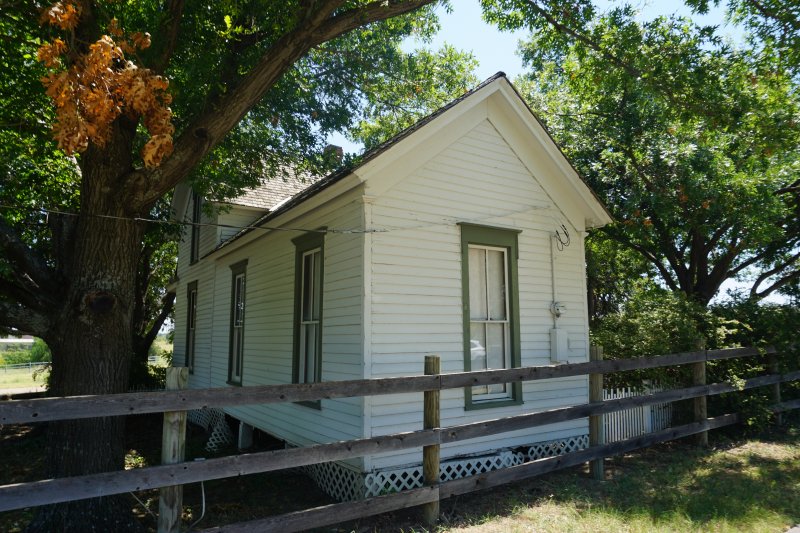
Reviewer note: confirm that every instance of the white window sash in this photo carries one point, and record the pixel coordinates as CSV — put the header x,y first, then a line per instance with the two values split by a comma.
x,y
481,393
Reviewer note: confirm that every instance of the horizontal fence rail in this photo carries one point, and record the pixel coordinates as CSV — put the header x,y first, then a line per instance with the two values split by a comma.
x,y
77,407
340,512
95,485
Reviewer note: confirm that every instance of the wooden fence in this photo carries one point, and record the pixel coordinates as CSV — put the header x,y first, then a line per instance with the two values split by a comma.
x,y
90,486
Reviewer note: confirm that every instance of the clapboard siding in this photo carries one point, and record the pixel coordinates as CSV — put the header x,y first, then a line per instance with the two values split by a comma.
x,y
269,321
393,293
416,285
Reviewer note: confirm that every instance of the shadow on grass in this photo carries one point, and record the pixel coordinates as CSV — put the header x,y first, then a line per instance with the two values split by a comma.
x,y
675,486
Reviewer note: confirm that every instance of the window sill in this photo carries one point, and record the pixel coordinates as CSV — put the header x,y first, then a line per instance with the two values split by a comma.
x,y
491,404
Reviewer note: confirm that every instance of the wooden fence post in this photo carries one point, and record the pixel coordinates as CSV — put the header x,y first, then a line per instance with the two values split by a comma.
x,y
430,454
774,368
701,402
173,451
596,427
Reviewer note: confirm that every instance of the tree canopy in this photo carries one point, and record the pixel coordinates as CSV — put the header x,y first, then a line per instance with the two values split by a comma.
x,y
691,142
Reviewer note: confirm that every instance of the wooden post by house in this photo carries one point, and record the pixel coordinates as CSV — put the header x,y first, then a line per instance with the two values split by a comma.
x,y
596,427
700,403
774,368
430,454
173,451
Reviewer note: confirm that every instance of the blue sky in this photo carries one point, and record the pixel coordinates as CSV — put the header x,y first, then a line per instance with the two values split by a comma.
x,y
465,29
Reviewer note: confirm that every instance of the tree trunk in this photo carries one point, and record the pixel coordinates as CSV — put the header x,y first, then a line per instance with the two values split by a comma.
x,y
92,346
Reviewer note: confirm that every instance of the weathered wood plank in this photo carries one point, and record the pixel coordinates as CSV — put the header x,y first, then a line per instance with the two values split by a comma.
x,y
549,464
787,406
59,490
563,414
700,404
173,451
77,407
596,429
333,514
774,368
430,454
67,489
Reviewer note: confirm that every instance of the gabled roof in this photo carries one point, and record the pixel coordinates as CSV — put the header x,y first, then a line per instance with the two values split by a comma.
x,y
588,196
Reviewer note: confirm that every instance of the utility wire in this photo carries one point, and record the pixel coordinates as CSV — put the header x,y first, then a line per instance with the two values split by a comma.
x,y
185,223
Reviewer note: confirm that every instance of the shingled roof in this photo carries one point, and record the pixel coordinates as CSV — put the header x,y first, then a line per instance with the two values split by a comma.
x,y
272,191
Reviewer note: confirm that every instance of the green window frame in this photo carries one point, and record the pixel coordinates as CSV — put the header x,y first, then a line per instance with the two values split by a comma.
x,y
191,325
490,299
308,306
238,304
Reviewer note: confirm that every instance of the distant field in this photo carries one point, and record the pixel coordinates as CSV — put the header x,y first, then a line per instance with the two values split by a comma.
x,y
21,378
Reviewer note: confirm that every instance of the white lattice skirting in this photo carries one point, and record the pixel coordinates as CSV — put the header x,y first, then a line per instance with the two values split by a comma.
x,y
214,420
346,484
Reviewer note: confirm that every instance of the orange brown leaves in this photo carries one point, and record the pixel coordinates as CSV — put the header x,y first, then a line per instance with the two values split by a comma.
x,y
49,53
64,15
99,85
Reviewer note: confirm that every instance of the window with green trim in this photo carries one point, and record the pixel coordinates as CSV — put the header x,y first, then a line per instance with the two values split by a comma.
x,y
191,324
308,308
491,310
236,356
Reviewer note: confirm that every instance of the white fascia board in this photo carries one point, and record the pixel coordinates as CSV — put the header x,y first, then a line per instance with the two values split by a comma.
x,y
594,213
180,202
322,197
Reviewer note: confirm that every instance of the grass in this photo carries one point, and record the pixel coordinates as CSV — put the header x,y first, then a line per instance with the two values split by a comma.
x,y
737,485
749,486
21,378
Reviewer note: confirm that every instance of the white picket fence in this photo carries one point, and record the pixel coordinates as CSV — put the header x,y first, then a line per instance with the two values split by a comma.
x,y
631,423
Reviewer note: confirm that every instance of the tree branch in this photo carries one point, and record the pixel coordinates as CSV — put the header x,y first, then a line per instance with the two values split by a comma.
x,y
170,28
647,254
27,264
20,292
145,187
23,320
155,327
771,272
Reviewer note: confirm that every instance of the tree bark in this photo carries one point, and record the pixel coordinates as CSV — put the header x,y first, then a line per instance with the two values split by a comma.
x,y
92,344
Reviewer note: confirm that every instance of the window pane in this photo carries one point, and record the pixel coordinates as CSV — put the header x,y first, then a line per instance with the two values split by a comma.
x,y
477,346
477,284
477,349
496,351
238,319
496,279
310,342
307,286
495,345
192,309
316,286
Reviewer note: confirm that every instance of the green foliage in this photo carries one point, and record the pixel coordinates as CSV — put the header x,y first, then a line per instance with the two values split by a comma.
x,y
760,323
429,80
686,140
613,274
37,353
654,321
40,352
772,25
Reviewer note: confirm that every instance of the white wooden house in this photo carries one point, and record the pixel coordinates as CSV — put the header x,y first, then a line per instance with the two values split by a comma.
x,y
463,236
